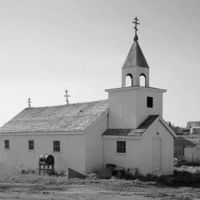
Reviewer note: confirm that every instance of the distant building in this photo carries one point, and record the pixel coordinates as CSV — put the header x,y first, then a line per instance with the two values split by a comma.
x,y
126,130
194,127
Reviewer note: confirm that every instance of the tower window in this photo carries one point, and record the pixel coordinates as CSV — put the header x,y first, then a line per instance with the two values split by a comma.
x,y
121,146
149,102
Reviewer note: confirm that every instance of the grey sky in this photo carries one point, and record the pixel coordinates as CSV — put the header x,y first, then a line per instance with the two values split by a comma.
x,y
47,46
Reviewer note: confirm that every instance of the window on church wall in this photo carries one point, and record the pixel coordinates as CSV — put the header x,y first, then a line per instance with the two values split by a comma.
x,y
142,80
149,102
56,146
129,80
6,144
31,145
121,146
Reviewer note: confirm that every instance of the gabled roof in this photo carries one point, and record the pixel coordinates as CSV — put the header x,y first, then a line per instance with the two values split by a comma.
x,y
135,57
148,121
132,132
71,117
117,132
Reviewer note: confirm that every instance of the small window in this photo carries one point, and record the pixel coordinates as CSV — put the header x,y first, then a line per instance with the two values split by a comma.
x,y
56,146
149,102
121,147
31,145
6,144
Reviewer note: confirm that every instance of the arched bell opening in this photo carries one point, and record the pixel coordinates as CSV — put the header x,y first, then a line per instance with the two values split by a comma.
x,y
129,80
142,80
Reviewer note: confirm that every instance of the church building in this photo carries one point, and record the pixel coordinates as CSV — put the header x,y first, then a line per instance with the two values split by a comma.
x,y
126,130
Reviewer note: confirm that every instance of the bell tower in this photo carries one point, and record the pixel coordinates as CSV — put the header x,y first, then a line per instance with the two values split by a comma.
x,y
132,103
135,65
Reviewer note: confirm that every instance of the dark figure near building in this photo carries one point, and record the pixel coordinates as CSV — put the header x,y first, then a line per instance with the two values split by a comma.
x,y
45,161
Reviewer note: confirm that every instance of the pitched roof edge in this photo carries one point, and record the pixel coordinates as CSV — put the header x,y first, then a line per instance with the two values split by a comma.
x,y
167,127
148,121
145,130
97,119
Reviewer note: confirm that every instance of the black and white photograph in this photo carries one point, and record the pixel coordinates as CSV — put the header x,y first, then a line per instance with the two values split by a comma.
x,y
100,99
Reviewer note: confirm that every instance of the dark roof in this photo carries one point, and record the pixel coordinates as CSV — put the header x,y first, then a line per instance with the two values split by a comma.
x,y
136,132
148,121
181,141
135,57
117,132
71,117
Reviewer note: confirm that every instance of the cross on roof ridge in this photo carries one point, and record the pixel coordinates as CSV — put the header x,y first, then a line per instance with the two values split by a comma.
x,y
67,96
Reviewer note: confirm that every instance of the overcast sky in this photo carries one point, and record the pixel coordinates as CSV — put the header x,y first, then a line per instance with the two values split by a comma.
x,y
47,46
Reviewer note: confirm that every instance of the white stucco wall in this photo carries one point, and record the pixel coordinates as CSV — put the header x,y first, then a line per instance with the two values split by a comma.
x,y
167,150
94,145
72,153
128,106
130,159
122,107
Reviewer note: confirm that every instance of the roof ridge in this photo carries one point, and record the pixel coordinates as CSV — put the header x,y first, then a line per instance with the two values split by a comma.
x,y
76,116
71,104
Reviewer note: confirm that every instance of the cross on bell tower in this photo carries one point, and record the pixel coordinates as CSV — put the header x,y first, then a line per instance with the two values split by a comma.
x,y
135,68
67,96
136,28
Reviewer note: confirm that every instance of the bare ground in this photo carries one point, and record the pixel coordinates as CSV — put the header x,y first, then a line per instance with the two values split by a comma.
x,y
14,185
32,187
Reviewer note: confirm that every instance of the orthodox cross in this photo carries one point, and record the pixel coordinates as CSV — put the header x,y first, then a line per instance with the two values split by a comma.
x,y
136,29
29,102
67,96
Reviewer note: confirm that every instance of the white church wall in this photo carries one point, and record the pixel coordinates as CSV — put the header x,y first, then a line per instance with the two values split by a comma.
x,y
94,145
142,111
130,159
128,106
69,157
167,150
122,107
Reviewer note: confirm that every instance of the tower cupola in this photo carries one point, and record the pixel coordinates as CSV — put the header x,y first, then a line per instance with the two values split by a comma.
x,y
135,66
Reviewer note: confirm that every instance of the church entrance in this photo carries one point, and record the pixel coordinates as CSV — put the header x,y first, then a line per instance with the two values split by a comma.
x,y
156,155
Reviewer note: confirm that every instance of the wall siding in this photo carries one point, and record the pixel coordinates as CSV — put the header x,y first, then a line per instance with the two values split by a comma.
x,y
72,153
94,145
130,159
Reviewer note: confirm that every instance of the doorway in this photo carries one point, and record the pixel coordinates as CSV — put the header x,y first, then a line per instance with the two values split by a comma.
x,y
156,155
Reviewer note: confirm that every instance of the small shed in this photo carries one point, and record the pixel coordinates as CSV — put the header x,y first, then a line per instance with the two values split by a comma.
x,y
192,154
180,143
